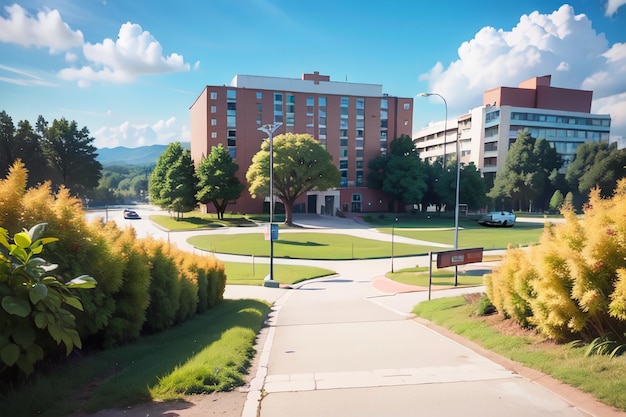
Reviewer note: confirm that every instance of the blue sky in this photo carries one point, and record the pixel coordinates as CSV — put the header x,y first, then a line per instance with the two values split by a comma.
x,y
130,70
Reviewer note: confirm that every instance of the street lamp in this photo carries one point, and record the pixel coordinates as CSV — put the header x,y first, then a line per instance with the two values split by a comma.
x,y
458,179
445,124
269,129
392,234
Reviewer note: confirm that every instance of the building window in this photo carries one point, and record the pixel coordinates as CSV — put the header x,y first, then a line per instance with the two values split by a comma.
x,y
384,104
213,109
231,94
407,106
213,135
491,146
213,122
343,164
259,95
213,95
232,106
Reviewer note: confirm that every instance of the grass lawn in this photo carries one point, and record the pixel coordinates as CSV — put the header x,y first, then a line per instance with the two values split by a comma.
x,y
210,352
238,273
305,246
195,220
419,276
603,377
471,234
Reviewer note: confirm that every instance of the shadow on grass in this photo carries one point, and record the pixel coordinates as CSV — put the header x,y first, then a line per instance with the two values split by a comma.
x,y
121,377
296,243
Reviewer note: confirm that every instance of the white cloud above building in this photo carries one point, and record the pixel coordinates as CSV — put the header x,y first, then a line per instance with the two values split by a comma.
x,y
562,44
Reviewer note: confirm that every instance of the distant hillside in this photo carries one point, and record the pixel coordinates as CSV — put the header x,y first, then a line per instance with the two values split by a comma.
x,y
141,156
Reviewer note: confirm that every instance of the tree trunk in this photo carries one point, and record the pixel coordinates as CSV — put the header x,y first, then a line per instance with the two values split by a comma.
x,y
288,212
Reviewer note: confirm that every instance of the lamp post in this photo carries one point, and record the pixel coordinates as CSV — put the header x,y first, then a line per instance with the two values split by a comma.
x,y
458,179
269,129
392,234
445,124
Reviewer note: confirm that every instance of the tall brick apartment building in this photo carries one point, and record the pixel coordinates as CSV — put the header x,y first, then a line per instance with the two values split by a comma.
x,y
354,122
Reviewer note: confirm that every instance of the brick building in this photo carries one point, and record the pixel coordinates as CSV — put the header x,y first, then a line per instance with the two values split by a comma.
x,y
354,122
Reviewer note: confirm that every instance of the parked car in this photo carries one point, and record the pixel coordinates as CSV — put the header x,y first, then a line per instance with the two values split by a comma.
x,y
131,214
498,218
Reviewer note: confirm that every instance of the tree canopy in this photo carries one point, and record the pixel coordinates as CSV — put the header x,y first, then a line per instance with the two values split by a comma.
x,y
70,155
301,164
525,178
400,174
217,182
596,164
172,184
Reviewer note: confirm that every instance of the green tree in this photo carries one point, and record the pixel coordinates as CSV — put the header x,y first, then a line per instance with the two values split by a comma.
x,y
430,196
31,153
217,182
172,185
301,164
400,174
70,155
473,190
525,177
7,143
596,164
557,200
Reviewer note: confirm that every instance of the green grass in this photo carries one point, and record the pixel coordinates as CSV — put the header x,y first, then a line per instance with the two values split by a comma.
x,y
238,273
304,246
210,352
419,276
197,220
471,234
603,377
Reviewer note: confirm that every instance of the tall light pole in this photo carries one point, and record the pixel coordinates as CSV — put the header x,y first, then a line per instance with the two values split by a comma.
x,y
458,179
445,124
269,129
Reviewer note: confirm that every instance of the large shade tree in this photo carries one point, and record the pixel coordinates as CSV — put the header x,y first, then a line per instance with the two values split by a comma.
x,y
301,165
71,155
172,184
217,183
526,177
596,164
399,174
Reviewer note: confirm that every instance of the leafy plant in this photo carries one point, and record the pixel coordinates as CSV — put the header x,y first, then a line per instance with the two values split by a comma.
x,y
603,345
34,302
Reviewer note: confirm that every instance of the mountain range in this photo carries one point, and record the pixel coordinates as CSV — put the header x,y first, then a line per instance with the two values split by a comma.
x,y
140,156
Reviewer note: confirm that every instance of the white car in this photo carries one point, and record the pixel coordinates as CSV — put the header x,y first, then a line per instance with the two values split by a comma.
x,y
498,218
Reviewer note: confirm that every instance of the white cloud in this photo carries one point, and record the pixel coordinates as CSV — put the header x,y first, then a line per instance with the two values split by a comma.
x,y
134,135
135,52
46,30
612,6
562,44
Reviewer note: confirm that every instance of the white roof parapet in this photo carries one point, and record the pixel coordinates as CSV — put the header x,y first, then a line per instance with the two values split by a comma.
x,y
306,86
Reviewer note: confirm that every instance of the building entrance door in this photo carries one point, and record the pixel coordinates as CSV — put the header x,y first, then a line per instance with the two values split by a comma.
x,y
311,205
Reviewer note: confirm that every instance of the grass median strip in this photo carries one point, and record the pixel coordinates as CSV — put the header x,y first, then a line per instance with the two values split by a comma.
x,y
303,245
210,352
601,376
254,273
